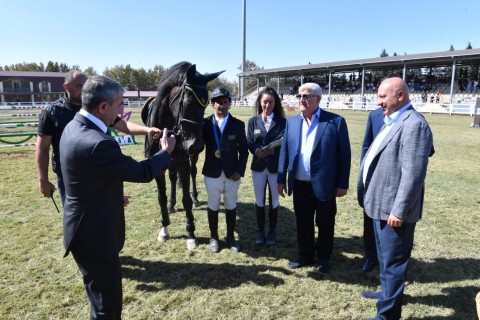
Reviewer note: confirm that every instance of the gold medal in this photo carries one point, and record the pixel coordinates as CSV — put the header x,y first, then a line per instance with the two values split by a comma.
x,y
218,154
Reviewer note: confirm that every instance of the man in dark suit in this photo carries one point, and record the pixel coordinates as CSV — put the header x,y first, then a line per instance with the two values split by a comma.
x,y
391,187
226,157
315,154
94,169
374,125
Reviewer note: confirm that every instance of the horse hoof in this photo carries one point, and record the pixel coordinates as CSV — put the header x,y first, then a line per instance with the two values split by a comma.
x,y
171,210
163,235
196,203
192,244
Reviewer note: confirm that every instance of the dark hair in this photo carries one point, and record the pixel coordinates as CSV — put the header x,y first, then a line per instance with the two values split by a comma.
x,y
98,89
277,108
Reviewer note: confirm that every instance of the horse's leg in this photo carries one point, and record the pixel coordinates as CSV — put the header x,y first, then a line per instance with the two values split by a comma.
x,y
184,174
172,175
193,174
162,201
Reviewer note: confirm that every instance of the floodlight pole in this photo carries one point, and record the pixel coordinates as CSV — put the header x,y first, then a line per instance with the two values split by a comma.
x,y
242,92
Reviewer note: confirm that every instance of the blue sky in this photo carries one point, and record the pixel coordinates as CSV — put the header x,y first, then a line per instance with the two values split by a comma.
x,y
280,33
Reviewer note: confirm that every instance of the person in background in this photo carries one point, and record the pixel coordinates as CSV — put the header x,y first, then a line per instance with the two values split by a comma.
x,y
94,169
391,185
52,122
374,125
315,164
226,156
265,128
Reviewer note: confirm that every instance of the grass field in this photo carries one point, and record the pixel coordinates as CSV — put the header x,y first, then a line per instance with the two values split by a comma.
x,y
166,281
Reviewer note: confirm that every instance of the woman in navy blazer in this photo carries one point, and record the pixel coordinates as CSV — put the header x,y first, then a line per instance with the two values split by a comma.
x,y
263,130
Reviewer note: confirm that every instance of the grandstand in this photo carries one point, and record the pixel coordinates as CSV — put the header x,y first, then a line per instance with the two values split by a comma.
x,y
439,82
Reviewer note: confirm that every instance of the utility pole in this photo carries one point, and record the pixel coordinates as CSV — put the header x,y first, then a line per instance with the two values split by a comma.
x,y
242,92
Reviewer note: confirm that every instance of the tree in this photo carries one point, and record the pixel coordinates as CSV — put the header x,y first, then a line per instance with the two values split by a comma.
x,y
250,66
384,53
123,75
469,46
90,72
395,54
451,48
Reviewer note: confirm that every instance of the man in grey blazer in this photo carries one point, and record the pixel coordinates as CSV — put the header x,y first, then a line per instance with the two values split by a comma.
x,y
94,170
391,188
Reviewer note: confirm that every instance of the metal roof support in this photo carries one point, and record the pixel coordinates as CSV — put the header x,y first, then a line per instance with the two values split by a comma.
x,y
329,81
453,80
363,80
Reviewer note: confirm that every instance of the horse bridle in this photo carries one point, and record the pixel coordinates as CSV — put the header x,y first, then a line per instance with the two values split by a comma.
x,y
177,130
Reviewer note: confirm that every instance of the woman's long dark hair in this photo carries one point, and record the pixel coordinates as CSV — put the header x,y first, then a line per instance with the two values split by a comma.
x,y
277,108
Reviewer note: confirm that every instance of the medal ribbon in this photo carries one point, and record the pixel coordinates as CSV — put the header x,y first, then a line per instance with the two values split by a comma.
x,y
215,133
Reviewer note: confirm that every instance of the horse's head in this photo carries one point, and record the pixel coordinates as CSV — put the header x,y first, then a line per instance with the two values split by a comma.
x,y
180,106
191,108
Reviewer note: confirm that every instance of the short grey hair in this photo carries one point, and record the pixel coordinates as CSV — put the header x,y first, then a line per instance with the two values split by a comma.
x,y
312,87
99,89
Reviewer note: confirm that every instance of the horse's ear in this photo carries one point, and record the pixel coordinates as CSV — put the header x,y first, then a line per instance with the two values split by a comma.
x,y
191,73
211,76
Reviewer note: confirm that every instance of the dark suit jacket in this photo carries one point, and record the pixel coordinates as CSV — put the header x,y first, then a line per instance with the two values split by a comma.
x,y
374,124
330,160
233,146
257,137
94,169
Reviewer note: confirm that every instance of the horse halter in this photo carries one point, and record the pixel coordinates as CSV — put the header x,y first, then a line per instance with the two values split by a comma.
x,y
180,118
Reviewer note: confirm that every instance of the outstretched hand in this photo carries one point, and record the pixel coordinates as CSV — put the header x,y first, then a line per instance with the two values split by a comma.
x,y
167,143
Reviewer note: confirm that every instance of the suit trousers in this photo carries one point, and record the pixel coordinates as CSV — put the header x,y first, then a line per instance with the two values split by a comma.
x,y
394,247
369,238
310,212
61,189
102,279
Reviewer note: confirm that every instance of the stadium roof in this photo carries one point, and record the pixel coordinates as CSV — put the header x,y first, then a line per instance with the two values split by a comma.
x,y
31,74
411,60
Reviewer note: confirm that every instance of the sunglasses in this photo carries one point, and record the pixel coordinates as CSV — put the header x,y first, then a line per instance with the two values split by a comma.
x,y
305,96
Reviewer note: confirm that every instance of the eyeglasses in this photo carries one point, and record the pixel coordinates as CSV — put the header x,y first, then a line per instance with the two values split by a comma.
x,y
305,96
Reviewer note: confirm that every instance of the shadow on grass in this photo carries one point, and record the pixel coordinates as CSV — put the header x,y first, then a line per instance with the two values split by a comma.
x,y
460,299
155,276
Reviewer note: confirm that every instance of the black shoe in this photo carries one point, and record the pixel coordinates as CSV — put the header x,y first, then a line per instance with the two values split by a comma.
x,y
323,266
233,245
371,294
369,265
271,239
300,263
260,238
214,245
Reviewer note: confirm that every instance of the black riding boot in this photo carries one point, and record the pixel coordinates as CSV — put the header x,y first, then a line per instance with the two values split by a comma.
x,y
213,225
260,211
273,217
231,217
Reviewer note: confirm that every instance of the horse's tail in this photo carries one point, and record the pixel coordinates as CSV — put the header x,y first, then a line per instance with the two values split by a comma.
x,y
148,111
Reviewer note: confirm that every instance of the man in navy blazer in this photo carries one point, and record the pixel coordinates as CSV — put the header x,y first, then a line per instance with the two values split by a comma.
x,y
391,185
314,165
226,155
94,170
374,125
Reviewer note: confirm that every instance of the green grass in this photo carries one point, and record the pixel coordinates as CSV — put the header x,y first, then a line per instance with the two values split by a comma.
x,y
168,281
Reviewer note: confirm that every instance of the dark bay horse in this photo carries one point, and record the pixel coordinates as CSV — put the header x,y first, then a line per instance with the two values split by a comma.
x,y
179,106
175,183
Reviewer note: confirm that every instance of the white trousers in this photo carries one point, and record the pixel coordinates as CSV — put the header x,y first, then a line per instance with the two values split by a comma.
x,y
260,180
218,186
